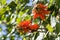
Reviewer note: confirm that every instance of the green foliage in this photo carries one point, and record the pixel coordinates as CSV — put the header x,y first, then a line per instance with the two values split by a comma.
x,y
12,38
3,2
2,11
8,18
36,21
49,27
19,20
24,1
36,35
12,6
9,27
0,29
28,17
50,37
57,28
57,3
19,11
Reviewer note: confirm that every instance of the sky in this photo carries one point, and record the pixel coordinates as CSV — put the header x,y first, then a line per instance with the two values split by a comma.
x,y
30,3
8,1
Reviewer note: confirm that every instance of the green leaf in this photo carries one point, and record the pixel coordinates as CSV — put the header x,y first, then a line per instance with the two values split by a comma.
x,y
18,6
24,1
53,13
12,6
36,21
28,17
12,37
49,27
2,10
58,27
9,27
58,3
3,2
7,8
36,35
21,13
26,8
24,38
8,18
16,1
2,18
50,37
19,20
0,29
51,7
51,2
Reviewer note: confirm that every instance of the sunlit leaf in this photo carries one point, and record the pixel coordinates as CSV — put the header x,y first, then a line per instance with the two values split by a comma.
x,y
51,2
3,2
53,13
19,20
49,27
16,1
24,38
28,17
2,10
21,13
2,18
27,10
7,8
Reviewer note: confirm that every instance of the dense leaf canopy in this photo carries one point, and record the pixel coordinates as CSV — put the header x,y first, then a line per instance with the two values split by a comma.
x,y
27,19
